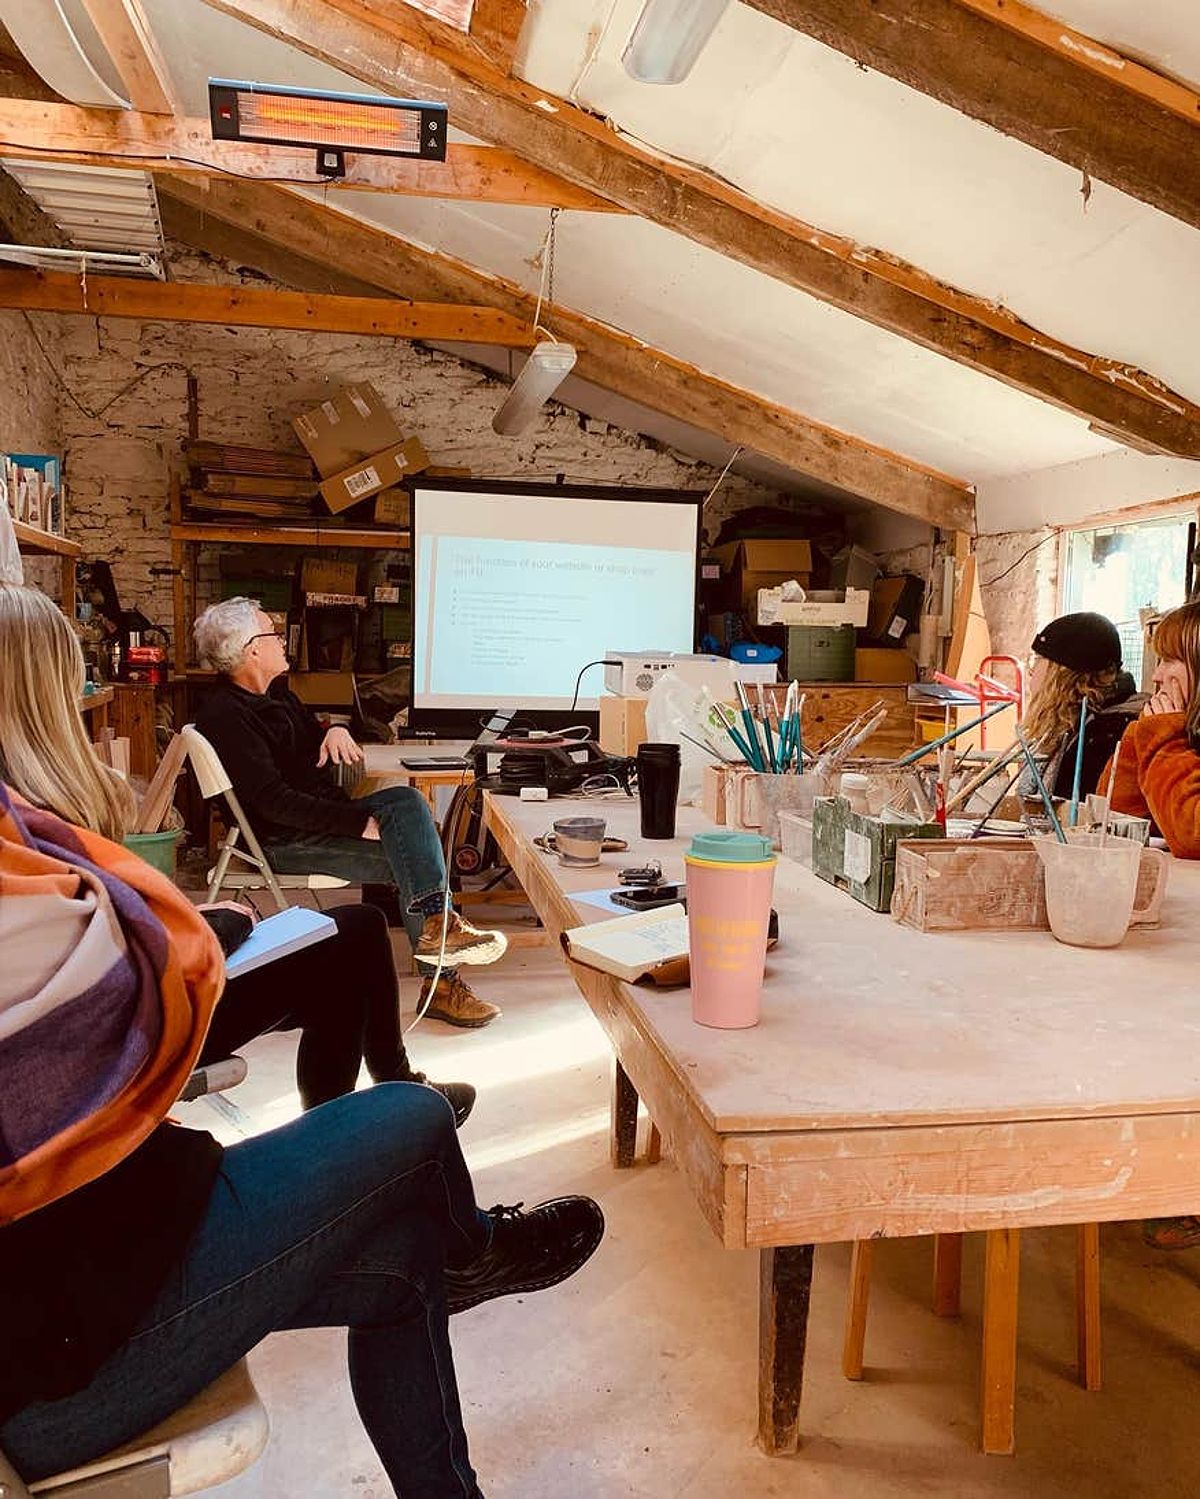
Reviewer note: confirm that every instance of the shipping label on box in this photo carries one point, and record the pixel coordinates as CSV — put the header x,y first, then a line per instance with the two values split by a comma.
x,y
381,471
349,426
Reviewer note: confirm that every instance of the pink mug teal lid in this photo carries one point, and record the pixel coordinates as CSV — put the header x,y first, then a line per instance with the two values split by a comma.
x,y
725,846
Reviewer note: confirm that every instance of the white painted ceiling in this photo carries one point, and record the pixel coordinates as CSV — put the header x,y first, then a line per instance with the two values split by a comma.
x,y
802,128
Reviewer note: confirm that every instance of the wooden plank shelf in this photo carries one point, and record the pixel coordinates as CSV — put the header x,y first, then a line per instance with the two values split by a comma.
x,y
33,540
293,536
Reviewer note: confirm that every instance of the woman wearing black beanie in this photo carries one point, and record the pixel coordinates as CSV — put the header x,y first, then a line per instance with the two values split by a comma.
x,y
1078,656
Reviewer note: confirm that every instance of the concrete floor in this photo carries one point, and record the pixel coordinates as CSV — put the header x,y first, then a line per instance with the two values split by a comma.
x,y
637,1377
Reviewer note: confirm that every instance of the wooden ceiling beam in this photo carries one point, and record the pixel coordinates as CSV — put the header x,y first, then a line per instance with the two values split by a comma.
x,y
1025,74
321,235
124,29
391,47
495,27
113,137
257,307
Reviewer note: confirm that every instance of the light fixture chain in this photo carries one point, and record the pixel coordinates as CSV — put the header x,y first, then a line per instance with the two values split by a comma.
x,y
554,213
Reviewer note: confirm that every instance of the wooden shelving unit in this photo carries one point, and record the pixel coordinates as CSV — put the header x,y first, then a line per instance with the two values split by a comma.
x,y
188,535
35,543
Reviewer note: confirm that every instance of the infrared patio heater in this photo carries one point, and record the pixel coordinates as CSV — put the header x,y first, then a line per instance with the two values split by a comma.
x,y
331,123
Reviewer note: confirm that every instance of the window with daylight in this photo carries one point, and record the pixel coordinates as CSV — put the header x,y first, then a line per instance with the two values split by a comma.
x,y
1119,571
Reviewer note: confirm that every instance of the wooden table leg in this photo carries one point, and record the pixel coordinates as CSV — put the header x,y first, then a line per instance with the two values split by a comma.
x,y
947,1274
855,1337
1001,1276
1087,1292
623,1148
785,1281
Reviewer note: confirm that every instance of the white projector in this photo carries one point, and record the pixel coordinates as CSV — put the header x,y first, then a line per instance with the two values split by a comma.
x,y
634,673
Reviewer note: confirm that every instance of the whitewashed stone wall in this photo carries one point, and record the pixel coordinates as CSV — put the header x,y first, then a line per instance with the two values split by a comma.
x,y
251,382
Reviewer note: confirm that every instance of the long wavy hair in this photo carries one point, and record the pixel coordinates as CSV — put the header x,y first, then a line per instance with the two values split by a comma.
x,y
1053,713
45,753
1177,638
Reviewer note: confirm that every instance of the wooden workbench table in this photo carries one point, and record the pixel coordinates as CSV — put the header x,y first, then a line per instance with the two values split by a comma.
x,y
900,1083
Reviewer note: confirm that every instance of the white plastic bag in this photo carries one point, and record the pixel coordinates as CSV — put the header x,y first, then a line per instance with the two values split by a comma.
x,y
11,568
673,709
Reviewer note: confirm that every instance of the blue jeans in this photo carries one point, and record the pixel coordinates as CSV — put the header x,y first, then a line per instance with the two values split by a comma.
x,y
344,1218
408,854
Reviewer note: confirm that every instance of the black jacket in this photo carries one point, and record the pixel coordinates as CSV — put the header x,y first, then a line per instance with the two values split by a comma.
x,y
1104,728
268,743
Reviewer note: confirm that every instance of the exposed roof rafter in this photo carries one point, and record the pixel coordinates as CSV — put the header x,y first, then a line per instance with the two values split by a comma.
x,y
257,307
124,29
112,137
1030,77
320,235
392,47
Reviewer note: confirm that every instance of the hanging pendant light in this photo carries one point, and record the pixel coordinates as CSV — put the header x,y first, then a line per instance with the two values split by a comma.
x,y
669,37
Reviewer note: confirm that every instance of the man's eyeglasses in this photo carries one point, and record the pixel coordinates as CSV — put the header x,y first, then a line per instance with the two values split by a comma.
x,y
266,635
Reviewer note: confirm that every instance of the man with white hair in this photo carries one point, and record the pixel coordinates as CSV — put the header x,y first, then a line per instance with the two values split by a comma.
x,y
281,763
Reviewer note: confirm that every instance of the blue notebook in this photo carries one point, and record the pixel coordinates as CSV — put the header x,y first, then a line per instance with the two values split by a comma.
x,y
276,936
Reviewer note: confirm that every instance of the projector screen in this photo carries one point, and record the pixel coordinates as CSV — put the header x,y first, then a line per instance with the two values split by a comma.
x,y
516,588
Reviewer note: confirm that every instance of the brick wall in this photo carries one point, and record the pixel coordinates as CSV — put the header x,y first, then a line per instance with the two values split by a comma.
x,y
132,378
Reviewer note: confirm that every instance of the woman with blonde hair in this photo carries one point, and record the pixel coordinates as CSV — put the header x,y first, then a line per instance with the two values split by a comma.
x,y
1077,660
45,754
46,758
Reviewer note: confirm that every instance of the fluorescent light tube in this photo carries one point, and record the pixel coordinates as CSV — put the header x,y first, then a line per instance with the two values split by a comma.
x,y
545,370
669,37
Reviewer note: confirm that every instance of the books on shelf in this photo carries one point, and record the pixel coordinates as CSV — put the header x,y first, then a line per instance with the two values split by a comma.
x,y
648,944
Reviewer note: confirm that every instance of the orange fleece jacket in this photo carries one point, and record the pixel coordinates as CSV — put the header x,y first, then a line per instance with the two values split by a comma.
x,y
1158,776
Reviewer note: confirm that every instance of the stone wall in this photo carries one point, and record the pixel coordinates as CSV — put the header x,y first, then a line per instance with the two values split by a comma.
x,y
1018,573
29,414
124,429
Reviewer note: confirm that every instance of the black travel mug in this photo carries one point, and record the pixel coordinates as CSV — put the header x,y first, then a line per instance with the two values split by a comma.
x,y
658,788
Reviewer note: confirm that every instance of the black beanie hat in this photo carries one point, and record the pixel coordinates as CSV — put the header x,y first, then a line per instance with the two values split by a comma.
x,y
1081,642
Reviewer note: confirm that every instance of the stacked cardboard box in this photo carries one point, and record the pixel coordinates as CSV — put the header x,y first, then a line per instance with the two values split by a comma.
x,y
225,479
357,446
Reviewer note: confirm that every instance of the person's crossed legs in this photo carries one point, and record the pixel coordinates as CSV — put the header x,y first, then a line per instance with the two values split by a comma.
x,y
408,857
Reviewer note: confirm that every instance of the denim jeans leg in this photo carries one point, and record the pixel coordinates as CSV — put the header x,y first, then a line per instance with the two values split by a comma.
x,y
358,1242
414,850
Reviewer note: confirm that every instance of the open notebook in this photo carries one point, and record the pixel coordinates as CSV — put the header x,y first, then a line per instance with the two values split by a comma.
x,y
276,936
649,944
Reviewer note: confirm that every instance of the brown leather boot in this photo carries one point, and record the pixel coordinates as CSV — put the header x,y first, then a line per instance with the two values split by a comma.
x,y
464,943
454,1003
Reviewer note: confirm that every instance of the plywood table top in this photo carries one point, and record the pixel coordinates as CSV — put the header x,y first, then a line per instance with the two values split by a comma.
x,y
868,1023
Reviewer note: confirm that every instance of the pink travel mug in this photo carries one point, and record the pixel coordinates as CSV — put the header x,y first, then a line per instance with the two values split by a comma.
x,y
730,876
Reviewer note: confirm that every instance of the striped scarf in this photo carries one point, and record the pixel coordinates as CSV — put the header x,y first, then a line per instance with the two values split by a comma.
x,y
108,981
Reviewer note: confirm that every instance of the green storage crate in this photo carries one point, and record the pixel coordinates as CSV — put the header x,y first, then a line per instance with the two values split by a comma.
x,y
820,653
857,852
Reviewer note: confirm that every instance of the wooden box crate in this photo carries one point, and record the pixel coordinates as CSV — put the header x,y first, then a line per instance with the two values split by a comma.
x,y
858,853
965,884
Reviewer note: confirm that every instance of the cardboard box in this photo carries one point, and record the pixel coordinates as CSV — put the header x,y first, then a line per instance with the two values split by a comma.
x,y
393,507
351,424
841,607
879,664
895,607
751,565
622,724
323,575
370,475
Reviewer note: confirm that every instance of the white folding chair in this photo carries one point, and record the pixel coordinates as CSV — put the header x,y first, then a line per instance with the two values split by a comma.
x,y
213,1438
213,781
